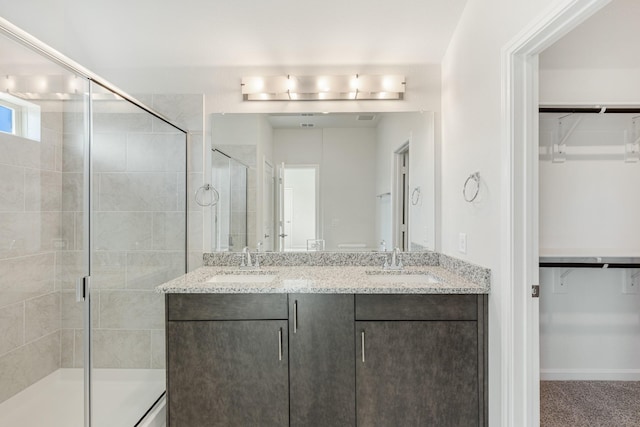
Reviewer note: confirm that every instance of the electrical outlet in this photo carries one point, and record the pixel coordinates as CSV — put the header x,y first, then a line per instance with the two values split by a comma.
x,y
560,280
462,243
631,281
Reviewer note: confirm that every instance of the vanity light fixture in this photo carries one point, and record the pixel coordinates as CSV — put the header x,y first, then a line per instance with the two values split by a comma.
x,y
323,88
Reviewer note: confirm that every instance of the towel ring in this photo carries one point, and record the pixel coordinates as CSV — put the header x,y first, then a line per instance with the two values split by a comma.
x,y
471,195
415,196
214,200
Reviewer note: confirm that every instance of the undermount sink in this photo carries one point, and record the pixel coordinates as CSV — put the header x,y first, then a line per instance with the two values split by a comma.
x,y
242,278
403,278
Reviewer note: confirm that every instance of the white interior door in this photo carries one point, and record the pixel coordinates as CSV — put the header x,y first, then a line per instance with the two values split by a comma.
x,y
400,198
300,204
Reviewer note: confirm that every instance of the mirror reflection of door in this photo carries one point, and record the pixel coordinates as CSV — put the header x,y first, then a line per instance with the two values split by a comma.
x,y
268,221
299,195
401,198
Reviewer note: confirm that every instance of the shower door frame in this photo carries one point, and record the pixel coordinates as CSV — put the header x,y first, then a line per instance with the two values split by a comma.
x,y
83,290
215,208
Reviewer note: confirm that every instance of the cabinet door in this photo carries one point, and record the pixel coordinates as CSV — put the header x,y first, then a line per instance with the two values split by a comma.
x,y
417,373
228,373
322,369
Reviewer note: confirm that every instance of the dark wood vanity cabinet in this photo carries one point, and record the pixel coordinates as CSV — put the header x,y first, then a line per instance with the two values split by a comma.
x,y
420,360
321,360
227,360
326,360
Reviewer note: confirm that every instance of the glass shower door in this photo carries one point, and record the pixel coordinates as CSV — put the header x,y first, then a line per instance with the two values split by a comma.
x,y
138,241
221,211
42,248
229,215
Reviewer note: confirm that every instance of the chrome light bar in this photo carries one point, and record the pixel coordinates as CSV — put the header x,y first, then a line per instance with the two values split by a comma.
x,y
323,88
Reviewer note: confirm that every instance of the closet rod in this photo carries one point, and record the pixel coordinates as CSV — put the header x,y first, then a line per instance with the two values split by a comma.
x,y
587,265
589,262
592,110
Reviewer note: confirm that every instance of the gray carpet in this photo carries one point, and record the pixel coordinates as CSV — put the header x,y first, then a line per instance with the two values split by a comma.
x,y
589,403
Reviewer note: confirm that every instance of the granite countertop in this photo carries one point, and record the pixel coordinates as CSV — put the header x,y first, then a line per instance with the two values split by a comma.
x,y
324,279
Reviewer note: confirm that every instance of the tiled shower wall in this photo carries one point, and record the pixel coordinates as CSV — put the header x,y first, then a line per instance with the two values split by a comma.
x,y
30,238
139,199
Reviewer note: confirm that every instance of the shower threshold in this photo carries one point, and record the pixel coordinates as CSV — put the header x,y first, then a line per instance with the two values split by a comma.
x,y
120,398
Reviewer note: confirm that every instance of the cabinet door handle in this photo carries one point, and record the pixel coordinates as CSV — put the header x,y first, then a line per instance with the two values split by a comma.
x,y
295,316
362,344
280,344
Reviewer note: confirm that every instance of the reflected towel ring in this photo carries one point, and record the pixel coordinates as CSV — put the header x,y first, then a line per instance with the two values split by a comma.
x,y
468,192
214,199
415,196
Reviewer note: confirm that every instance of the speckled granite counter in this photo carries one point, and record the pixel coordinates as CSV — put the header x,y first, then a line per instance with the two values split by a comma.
x,y
325,279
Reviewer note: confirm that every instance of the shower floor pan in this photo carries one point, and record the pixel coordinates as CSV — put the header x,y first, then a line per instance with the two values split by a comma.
x,y
121,398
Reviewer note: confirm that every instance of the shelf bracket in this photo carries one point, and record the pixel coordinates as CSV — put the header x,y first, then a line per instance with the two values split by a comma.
x,y
632,144
559,149
631,281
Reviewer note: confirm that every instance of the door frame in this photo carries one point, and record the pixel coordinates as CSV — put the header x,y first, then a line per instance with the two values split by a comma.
x,y
399,196
271,182
520,375
318,197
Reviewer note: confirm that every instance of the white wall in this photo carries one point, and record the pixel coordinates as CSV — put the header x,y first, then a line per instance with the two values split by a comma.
x,y
590,86
393,131
471,141
591,330
347,178
590,208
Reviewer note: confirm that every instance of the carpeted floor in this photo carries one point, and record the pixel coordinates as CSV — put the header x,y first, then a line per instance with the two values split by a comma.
x,y
590,403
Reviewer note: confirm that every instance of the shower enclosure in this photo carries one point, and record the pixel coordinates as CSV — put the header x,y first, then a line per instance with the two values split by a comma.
x,y
229,214
92,218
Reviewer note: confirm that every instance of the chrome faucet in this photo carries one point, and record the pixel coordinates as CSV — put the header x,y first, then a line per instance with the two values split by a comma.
x,y
396,262
247,253
248,264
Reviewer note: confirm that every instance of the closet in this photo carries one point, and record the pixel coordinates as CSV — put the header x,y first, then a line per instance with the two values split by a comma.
x,y
589,230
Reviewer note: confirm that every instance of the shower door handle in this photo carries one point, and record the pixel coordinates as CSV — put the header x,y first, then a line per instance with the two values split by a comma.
x,y
81,288
283,235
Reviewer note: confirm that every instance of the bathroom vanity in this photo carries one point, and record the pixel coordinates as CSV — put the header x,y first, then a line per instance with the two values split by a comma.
x,y
326,346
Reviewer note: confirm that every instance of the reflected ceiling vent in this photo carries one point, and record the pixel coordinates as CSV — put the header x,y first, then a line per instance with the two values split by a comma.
x,y
366,117
307,125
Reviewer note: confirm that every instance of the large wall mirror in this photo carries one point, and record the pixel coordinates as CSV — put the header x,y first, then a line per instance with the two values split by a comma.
x,y
332,182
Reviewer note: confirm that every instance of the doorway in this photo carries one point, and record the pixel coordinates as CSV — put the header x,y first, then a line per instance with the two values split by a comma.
x,y
298,206
268,206
588,175
520,312
401,198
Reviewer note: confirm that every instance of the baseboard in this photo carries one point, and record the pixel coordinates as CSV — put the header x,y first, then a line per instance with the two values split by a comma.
x,y
590,374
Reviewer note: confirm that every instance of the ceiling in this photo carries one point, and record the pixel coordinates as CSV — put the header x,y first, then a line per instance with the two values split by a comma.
x,y
609,39
220,33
